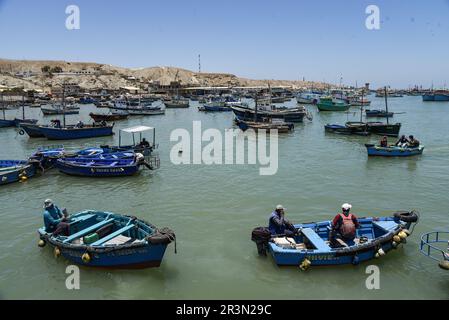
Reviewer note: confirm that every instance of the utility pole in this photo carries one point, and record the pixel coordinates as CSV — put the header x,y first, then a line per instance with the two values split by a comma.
x,y
199,63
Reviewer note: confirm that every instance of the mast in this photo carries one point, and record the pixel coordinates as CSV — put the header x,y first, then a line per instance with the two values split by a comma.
x,y
3,107
361,109
255,108
23,105
386,101
63,105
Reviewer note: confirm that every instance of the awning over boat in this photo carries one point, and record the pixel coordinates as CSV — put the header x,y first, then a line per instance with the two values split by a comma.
x,y
137,129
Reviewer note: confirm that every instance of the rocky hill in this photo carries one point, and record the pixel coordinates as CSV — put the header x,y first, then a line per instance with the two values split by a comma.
x,y
30,75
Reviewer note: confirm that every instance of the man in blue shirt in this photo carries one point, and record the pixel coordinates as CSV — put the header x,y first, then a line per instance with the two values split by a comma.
x,y
279,225
54,220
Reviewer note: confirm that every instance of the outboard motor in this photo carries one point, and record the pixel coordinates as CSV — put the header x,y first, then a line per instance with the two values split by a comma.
x,y
261,236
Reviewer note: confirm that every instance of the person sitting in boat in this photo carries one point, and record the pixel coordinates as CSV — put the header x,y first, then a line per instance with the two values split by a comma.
x,y
278,224
402,142
54,220
56,123
343,227
412,142
384,142
144,143
80,124
103,123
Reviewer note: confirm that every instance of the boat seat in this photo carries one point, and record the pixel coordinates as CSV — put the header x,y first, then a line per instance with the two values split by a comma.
x,y
386,225
120,239
112,235
113,163
83,232
315,239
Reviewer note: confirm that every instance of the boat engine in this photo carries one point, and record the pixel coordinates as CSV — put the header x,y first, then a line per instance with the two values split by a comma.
x,y
261,236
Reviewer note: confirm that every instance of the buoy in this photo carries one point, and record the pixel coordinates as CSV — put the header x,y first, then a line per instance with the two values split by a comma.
x,y
23,178
57,252
41,243
402,234
85,257
305,264
380,253
407,232
444,264
397,239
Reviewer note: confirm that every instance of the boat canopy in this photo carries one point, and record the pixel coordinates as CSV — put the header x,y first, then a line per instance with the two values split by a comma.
x,y
137,129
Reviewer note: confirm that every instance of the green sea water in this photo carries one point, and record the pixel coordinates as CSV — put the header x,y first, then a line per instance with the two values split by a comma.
x,y
213,208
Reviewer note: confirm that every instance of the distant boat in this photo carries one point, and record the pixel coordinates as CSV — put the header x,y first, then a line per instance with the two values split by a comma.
x,y
393,151
288,114
378,113
73,132
358,101
33,130
15,170
308,98
109,240
348,129
329,104
87,100
440,95
58,109
98,117
94,167
3,122
280,126
177,103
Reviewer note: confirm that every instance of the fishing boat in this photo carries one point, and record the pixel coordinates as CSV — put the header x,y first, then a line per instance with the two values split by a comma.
x,y
357,101
58,109
16,170
147,111
330,104
18,122
109,240
371,113
279,125
87,100
246,113
177,103
3,122
98,117
435,246
74,132
308,98
311,247
347,129
95,167
437,95
393,151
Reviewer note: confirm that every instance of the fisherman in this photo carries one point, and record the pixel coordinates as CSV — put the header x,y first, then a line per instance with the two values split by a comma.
x,y
55,222
278,224
103,123
402,142
144,143
80,124
384,142
343,226
412,142
56,123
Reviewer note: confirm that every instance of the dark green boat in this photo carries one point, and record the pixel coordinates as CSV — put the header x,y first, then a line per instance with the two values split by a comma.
x,y
328,104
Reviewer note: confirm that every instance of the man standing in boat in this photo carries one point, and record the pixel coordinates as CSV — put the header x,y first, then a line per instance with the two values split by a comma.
x,y
279,225
54,220
343,227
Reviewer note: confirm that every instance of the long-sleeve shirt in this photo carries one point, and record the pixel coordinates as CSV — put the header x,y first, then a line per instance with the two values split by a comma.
x,y
52,216
277,224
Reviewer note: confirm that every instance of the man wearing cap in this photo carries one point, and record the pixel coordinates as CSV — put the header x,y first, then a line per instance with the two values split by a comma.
x,y
278,224
344,226
54,220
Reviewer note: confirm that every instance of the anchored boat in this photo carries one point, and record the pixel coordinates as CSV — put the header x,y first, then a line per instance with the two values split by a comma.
x,y
15,170
329,104
109,240
310,247
393,151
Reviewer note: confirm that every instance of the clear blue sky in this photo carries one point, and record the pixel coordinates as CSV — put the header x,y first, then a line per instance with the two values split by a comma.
x,y
286,39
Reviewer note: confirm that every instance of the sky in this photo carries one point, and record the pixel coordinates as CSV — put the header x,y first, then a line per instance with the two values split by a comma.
x,y
317,40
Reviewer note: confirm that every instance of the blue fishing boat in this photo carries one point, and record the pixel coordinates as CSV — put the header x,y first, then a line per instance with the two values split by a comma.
x,y
435,246
15,170
109,240
74,132
393,151
7,123
311,246
33,130
95,167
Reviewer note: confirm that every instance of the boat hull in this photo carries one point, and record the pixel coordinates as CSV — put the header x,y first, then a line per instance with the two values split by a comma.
x,y
107,117
7,123
171,105
13,175
32,130
75,133
384,129
332,107
76,169
393,151
247,114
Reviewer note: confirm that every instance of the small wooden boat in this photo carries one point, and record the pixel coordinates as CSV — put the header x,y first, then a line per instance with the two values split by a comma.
x,y
15,170
98,117
393,151
96,167
280,126
435,246
73,132
57,109
150,111
329,104
346,129
378,113
310,247
177,103
109,240
288,115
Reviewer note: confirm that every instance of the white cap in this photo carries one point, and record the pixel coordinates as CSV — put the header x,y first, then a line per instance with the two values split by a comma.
x,y
279,207
47,203
346,206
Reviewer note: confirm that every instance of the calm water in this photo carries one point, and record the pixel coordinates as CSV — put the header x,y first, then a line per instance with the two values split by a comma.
x,y
214,208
